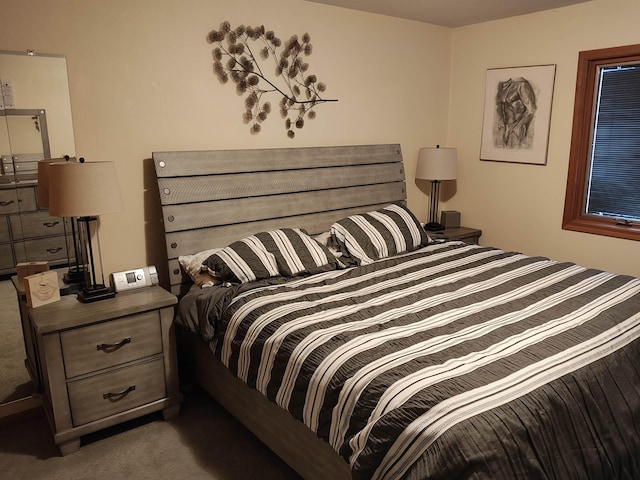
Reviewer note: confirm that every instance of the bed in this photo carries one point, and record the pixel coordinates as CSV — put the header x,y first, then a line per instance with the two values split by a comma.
x,y
384,353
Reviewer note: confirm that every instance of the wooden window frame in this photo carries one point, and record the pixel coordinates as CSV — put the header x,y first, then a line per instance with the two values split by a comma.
x,y
575,217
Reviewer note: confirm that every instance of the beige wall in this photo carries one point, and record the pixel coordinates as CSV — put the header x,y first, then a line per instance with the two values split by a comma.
x,y
519,207
141,80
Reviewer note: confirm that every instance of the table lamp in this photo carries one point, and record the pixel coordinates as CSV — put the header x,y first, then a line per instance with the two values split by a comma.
x,y
436,164
85,190
76,271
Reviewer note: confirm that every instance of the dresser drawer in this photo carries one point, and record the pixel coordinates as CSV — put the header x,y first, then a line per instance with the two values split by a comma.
x,y
36,224
104,345
14,200
107,394
4,229
47,249
6,257
8,201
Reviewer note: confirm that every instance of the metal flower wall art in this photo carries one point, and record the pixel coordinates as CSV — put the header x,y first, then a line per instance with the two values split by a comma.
x,y
243,54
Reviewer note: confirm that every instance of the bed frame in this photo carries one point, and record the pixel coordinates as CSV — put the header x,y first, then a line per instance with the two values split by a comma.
x,y
212,198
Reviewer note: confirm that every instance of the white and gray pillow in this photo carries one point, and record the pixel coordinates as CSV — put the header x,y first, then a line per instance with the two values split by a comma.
x,y
243,261
284,252
297,252
380,234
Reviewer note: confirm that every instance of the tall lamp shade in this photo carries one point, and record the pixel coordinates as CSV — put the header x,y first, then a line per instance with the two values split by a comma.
x,y
436,164
85,190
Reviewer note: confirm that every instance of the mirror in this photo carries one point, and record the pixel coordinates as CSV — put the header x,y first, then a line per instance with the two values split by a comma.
x,y
26,142
5,147
35,123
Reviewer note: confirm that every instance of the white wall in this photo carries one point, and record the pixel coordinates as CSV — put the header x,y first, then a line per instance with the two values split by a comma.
x,y
141,80
519,207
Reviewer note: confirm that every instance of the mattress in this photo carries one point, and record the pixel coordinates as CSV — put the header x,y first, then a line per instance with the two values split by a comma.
x,y
452,361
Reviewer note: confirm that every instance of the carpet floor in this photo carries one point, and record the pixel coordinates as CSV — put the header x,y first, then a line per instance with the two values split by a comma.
x,y
203,442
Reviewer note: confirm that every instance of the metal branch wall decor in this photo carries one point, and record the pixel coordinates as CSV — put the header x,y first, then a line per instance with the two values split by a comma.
x,y
299,90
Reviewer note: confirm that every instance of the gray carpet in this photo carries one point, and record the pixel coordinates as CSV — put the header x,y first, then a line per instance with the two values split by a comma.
x,y
203,442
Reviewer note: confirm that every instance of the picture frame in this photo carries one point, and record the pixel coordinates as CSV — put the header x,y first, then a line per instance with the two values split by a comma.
x,y
517,114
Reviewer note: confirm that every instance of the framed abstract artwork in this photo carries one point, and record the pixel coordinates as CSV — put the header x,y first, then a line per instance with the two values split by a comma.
x,y
517,114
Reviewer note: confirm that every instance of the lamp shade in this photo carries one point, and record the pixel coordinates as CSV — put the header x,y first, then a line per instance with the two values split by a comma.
x,y
43,182
43,179
83,189
436,163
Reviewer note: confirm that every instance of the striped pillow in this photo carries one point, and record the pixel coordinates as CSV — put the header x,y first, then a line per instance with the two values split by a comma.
x,y
380,234
296,252
243,261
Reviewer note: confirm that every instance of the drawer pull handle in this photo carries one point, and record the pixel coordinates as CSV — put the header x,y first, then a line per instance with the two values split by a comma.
x,y
110,347
6,203
114,397
50,224
54,250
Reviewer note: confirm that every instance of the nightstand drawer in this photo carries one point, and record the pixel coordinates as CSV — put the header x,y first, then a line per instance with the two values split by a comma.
x,y
104,345
106,394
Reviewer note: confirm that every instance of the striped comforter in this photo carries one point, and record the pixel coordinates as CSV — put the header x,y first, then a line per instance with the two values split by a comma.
x,y
455,361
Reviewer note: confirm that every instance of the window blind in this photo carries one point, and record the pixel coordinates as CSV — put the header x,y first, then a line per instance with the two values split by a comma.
x,y
614,187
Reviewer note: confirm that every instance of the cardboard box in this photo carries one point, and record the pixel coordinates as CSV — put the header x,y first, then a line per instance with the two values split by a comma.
x,y
41,288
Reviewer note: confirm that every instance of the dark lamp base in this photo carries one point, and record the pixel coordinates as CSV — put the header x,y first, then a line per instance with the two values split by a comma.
x,y
75,274
95,293
433,227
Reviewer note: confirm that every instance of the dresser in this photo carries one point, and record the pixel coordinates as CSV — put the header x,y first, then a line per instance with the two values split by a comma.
x,y
105,362
27,233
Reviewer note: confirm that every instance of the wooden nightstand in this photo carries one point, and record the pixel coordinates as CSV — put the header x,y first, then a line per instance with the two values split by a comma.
x,y
463,234
106,362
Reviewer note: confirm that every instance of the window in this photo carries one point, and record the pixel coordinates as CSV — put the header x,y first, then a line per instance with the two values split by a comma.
x,y
603,183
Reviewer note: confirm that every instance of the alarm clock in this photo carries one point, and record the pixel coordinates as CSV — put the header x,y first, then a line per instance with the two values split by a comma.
x,y
136,278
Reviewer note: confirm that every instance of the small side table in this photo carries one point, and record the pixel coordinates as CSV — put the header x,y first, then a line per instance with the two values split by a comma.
x,y
105,362
463,234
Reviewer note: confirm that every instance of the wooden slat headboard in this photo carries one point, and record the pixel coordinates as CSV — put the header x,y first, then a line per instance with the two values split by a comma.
x,y
212,198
